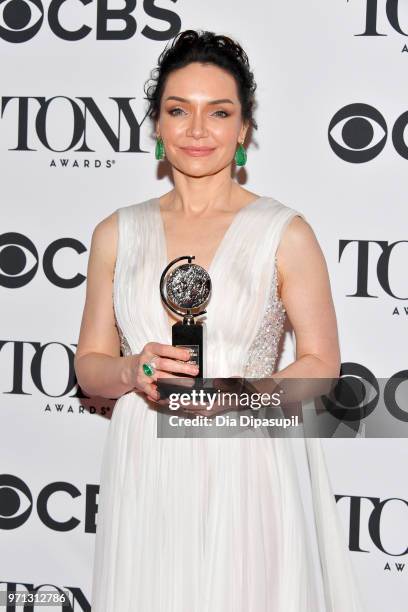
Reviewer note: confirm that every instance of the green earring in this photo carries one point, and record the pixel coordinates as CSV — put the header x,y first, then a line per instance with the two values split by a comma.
x,y
240,156
159,150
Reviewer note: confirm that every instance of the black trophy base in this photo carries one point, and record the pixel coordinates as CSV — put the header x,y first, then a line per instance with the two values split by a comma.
x,y
190,336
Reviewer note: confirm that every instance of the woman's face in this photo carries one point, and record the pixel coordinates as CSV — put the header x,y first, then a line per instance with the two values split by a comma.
x,y
200,108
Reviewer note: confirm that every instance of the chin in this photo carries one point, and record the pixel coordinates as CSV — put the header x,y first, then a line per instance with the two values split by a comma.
x,y
197,169
198,173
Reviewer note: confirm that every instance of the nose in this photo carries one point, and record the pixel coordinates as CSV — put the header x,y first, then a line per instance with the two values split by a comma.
x,y
197,128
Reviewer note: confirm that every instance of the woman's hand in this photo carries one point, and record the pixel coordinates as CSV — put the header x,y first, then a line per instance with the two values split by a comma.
x,y
232,384
168,361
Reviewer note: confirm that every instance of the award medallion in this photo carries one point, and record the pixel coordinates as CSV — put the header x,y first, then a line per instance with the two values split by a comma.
x,y
186,290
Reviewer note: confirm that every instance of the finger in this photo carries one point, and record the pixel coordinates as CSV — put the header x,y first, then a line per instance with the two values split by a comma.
x,y
149,388
196,410
184,382
142,377
167,350
165,364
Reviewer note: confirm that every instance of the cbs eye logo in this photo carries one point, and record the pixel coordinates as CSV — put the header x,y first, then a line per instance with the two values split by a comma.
x,y
19,261
11,502
20,20
357,394
358,133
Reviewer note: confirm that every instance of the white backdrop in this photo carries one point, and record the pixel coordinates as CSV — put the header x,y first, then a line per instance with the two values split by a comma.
x,y
312,62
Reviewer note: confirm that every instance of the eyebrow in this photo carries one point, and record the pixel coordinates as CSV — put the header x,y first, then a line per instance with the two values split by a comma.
x,y
219,101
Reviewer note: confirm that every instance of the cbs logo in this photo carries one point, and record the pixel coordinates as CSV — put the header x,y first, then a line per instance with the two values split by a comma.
x,y
21,20
357,394
19,261
362,132
16,504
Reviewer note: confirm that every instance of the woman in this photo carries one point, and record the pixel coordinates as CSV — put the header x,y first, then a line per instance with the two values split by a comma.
x,y
193,525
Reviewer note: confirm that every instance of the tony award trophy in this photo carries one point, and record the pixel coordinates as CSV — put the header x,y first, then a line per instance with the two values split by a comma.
x,y
185,291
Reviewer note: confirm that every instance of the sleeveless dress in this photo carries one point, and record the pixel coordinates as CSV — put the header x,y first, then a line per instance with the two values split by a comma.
x,y
213,524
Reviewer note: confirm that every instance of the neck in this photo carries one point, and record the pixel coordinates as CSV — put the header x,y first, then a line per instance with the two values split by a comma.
x,y
196,196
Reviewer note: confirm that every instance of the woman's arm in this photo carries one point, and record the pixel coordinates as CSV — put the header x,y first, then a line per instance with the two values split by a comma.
x,y
99,368
306,294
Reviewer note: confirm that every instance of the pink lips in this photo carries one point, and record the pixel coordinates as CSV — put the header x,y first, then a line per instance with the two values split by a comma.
x,y
197,151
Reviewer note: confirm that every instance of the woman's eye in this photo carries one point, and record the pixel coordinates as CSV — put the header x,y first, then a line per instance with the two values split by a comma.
x,y
221,111
174,112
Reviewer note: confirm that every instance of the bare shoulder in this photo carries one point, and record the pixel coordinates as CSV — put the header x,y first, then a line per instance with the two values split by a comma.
x,y
299,250
105,239
298,233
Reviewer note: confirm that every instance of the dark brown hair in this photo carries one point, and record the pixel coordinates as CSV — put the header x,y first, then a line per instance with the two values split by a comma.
x,y
204,47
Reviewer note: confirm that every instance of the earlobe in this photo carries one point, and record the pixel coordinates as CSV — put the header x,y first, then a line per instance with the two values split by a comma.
x,y
243,134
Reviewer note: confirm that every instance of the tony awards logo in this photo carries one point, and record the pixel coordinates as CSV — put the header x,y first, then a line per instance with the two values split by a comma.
x,y
185,290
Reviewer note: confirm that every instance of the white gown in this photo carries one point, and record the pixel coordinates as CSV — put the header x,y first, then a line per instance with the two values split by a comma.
x,y
213,524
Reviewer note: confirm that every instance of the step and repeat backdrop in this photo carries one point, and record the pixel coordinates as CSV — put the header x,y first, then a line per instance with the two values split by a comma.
x,y
75,144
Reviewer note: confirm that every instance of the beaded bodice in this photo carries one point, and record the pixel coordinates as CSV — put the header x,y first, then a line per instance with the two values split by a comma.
x,y
263,352
124,344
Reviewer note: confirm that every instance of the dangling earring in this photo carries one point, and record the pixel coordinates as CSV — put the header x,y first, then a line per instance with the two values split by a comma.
x,y
240,155
159,150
